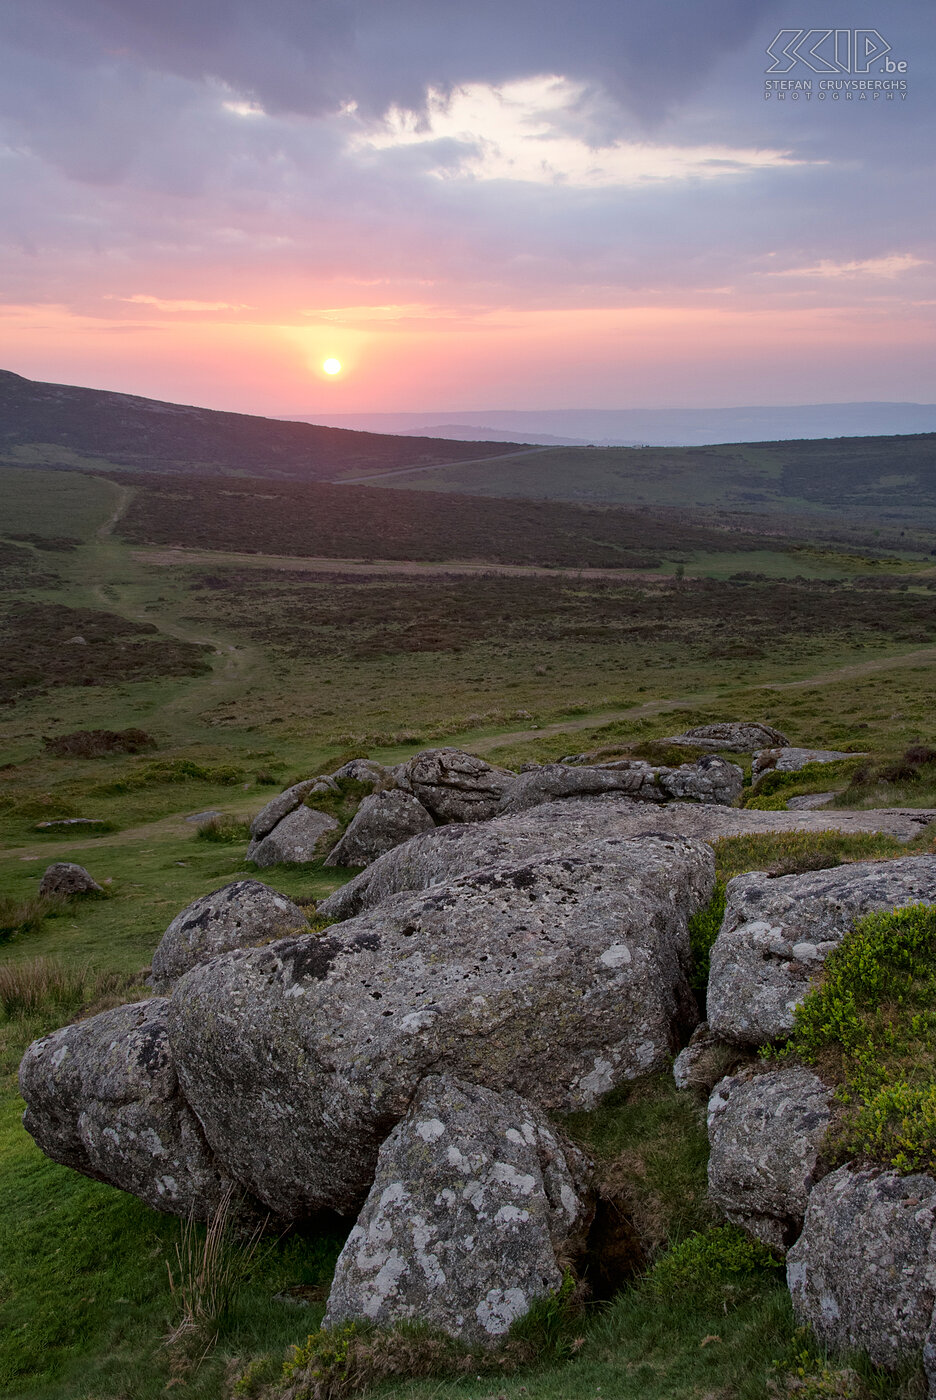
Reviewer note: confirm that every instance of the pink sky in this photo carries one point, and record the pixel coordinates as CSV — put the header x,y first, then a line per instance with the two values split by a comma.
x,y
206,209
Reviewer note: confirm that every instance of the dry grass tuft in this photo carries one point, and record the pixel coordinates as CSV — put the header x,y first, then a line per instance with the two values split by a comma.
x,y
212,1265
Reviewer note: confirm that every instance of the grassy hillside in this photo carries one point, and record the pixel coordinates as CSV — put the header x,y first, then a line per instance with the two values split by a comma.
x,y
264,668
61,425
892,479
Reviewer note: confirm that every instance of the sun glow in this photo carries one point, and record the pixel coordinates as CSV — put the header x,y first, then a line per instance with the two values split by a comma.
x,y
332,366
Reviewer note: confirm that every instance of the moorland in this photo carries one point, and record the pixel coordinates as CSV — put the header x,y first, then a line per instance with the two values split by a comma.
x,y
259,631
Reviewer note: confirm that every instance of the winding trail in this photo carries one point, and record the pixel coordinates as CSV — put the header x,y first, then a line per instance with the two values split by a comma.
x,y
232,665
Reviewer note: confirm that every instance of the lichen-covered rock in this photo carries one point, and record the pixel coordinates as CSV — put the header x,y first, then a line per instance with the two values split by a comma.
x,y
64,878
709,780
102,1097
240,915
778,932
279,807
454,786
705,1060
383,820
449,851
367,771
765,1134
862,1274
791,760
557,978
295,839
472,1207
738,736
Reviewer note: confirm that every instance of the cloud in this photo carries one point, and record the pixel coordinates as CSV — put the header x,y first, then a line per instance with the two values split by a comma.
x,y
518,132
890,266
163,304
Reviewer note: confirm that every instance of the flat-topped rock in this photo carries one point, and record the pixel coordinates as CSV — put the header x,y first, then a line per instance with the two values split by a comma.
x,y
474,1202
711,780
778,932
737,736
451,851
557,978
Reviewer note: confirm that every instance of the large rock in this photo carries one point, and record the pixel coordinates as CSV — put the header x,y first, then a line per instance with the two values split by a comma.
x,y
738,736
765,1134
295,839
456,850
862,1274
778,932
383,820
240,915
279,807
454,786
705,1060
64,878
102,1097
791,760
472,1206
557,978
709,780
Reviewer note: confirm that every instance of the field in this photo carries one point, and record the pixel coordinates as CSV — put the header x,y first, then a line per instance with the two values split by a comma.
x,y
257,641
891,480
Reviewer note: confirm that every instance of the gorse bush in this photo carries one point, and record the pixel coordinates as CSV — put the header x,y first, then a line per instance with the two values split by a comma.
x,y
871,1024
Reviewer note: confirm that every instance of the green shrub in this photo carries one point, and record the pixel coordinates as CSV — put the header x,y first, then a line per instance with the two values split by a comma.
x,y
871,1025
701,1266
771,791
342,804
175,770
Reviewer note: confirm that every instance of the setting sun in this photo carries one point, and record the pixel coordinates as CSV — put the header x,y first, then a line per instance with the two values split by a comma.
x,y
332,366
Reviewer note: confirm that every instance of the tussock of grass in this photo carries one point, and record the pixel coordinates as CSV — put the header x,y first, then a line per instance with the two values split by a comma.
x,y
26,915
50,986
211,1267
870,1026
227,831
790,852
175,770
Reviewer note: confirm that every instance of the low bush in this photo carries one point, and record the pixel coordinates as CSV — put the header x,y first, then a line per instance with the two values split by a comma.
x,y
175,770
870,1026
773,789
702,1265
98,743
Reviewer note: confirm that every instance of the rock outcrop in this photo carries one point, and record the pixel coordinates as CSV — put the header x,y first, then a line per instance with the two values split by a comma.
x,y
791,760
64,878
709,780
737,736
279,807
454,786
454,850
777,933
862,1274
295,839
557,978
474,1203
383,820
241,915
765,1134
705,1060
102,1097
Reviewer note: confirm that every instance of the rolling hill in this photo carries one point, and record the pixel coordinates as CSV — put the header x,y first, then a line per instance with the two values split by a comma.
x,y
62,425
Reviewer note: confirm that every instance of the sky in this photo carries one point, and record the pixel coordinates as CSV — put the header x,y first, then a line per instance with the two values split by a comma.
x,y
506,204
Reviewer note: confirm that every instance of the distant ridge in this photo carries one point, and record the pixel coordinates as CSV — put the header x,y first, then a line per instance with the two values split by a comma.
x,y
63,425
654,427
